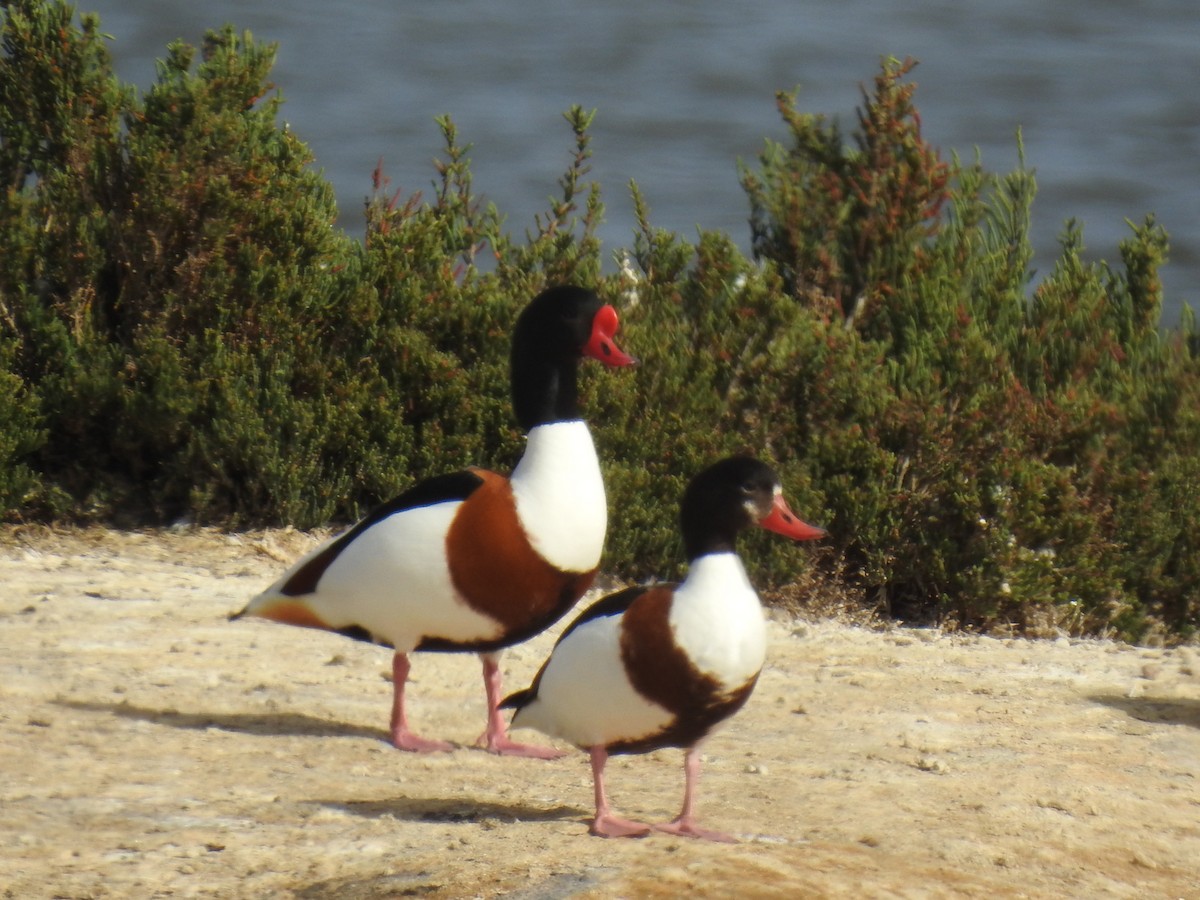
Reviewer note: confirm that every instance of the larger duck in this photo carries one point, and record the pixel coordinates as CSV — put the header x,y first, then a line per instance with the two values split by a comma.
x,y
662,665
474,561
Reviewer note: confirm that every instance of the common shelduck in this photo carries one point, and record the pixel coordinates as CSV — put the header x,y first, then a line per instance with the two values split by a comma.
x,y
474,561
662,665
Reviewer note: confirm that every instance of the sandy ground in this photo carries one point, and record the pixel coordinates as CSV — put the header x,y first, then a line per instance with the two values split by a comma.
x,y
150,748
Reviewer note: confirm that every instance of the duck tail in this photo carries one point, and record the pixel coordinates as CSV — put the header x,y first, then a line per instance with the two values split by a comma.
x,y
519,699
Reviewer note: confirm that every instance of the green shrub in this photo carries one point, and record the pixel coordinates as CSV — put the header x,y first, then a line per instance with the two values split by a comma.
x,y
1002,418
202,340
20,435
185,333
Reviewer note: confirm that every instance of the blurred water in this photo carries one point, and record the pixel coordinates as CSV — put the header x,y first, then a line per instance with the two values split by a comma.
x,y
1102,90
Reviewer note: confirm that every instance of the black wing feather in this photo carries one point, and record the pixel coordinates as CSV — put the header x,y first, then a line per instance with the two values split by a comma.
x,y
611,605
438,489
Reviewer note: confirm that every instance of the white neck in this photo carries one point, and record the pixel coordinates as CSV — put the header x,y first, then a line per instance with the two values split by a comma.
x,y
718,620
560,495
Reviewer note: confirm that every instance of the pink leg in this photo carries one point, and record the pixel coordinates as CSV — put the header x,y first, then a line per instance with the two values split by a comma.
x,y
606,824
496,738
685,823
403,737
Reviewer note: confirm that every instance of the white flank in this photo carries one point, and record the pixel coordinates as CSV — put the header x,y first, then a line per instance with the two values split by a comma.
x,y
585,696
392,580
718,621
560,496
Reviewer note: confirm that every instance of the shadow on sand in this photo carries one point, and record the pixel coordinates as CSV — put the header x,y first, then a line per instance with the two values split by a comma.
x,y
1154,710
455,809
269,723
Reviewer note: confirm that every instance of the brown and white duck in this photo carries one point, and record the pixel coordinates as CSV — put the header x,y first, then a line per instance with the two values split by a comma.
x,y
663,665
474,561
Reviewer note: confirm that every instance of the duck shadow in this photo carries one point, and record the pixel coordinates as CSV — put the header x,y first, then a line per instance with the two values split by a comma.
x,y
1154,710
273,724
413,809
262,724
455,810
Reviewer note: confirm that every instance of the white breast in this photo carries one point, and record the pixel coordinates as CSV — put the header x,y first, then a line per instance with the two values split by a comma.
x,y
560,496
718,621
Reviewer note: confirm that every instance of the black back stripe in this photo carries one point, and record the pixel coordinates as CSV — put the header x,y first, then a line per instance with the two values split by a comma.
x,y
439,489
612,605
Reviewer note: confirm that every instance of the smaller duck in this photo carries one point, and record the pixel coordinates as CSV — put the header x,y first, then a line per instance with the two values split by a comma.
x,y
662,665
